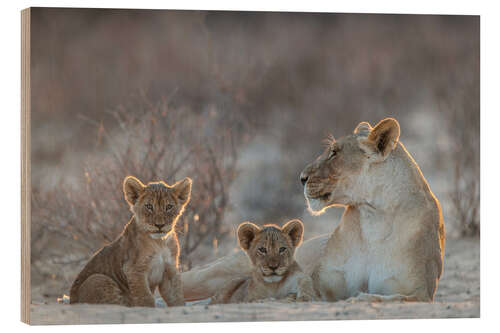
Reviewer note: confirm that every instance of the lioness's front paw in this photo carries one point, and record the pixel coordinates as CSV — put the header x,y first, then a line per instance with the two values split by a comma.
x,y
363,297
264,300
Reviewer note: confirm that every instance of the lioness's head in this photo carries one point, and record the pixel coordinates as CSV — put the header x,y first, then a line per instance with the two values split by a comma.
x,y
343,174
271,248
156,206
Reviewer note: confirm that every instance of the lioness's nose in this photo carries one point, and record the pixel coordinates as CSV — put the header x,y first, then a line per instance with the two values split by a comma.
x,y
159,225
303,178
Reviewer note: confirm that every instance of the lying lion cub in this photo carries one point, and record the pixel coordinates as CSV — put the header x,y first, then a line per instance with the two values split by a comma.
x,y
276,274
144,256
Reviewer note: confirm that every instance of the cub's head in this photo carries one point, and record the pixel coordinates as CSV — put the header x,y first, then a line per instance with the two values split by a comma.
x,y
271,248
156,206
343,174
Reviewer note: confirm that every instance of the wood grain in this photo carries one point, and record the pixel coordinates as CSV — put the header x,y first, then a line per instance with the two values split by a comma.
x,y
25,165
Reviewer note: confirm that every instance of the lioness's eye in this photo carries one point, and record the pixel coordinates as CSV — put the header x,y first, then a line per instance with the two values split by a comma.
x,y
148,206
262,250
169,206
282,249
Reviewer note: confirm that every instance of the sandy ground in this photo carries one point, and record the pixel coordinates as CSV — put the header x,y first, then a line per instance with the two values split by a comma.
x,y
458,295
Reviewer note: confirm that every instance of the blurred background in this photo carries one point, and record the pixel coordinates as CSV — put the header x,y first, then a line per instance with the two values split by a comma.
x,y
240,102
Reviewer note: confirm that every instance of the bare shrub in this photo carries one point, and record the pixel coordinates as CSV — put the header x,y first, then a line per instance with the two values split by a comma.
x,y
151,141
464,121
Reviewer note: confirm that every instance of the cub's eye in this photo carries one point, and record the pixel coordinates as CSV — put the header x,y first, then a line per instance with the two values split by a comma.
x,y
149,206
262,250
332,154
169,206
282,249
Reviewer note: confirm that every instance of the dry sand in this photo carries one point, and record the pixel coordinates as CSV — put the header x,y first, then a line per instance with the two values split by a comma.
x,y
458,295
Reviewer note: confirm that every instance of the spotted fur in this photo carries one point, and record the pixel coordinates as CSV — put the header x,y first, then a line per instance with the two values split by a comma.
x,y
275,273
144,257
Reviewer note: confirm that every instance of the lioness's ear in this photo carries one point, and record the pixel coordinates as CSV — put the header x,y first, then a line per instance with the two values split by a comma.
x,y
294,229
246,234
132,189
363,128
183,190
384,137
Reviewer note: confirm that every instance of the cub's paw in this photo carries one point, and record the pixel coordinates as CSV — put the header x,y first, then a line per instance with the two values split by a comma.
x,y
160,303
290,298
304,298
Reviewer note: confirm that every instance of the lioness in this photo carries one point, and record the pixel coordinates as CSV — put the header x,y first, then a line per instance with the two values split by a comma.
x,y
144,256
275,273
389,244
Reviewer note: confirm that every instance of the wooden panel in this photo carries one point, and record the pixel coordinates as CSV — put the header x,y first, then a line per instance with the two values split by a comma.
x,y
25,167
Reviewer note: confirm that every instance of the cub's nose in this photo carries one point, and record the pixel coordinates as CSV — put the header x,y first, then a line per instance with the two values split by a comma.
x,y
273,266
159,225
303,178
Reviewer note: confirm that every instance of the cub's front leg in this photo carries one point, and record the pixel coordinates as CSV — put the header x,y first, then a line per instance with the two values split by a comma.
x,y
305,290
140,293
171,287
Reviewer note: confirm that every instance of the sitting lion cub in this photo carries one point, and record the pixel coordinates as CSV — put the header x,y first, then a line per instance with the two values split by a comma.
x,y
144,256
276,274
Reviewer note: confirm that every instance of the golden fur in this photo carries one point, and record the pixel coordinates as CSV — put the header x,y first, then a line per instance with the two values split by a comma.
x,y
389,244
275,273
144,256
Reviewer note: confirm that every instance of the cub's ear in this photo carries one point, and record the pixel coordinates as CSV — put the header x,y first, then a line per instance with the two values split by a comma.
x,y
294,229
363,128
246,234
383,138
183,190
132,189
